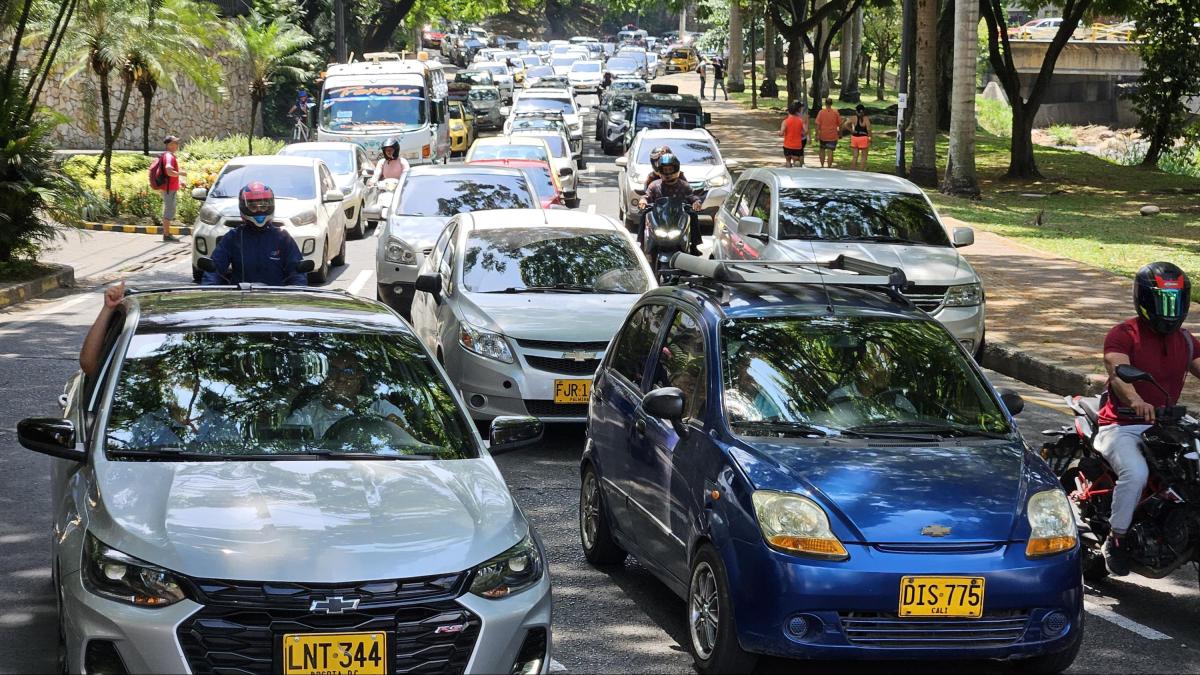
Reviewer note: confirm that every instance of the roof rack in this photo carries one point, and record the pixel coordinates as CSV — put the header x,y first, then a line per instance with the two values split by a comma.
x,y
170,288
841,271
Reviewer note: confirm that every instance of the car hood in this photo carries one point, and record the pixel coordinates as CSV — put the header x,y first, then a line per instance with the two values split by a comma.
x,y
284,208
888,493
941,265
573,317
585,77
420,232
315,521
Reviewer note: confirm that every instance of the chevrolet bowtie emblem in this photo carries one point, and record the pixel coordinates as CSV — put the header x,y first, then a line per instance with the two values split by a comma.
x,y
334,605
579,356
935,530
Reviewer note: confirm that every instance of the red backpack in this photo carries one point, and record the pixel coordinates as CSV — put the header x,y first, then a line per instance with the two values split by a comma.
x,y
158,173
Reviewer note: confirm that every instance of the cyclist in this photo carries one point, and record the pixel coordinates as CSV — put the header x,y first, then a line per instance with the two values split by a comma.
x,y
391,165
261,253
300,107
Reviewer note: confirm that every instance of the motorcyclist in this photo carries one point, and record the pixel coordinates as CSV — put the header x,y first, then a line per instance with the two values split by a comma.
x,y
391,165
671,184
656,155
261,253
1155,342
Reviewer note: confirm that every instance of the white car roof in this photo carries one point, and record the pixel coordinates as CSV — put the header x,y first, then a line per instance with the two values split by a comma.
x,y
318,145
545,93
844,180
274,160
501,219
507,140
595,61
698,134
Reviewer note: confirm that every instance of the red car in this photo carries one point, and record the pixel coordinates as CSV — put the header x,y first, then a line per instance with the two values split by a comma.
x,y
432,38
541,175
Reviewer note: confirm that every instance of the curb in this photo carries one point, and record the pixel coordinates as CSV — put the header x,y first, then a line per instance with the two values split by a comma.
x,y
1052,377
135,229
63,276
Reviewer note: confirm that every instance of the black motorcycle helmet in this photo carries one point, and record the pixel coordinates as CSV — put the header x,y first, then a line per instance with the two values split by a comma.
x,y
394,144
1162,294
668,167
656,155
256,203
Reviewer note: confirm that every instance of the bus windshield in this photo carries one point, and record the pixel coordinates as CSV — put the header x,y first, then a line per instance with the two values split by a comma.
x,y
355,108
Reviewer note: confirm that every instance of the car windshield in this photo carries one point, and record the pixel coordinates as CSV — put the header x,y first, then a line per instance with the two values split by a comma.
x,y
226,395
563,61
362,107
532,103
619,63
482,77
557,147
544,259
493,68
484,95
531,62
628,85
440,195
858,215
586,67
534,151
680,54
340,162
659,117
288,182
532,123
689,151
539,71
851,375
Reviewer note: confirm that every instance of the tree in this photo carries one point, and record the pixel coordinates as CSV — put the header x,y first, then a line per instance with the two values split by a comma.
x,y
795,19
851,55
960,173
881,33
924,160
1169,42
271,50
737,50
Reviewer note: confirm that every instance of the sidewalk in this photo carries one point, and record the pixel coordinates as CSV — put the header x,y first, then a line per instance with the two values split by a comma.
x,y
99,257
1047,315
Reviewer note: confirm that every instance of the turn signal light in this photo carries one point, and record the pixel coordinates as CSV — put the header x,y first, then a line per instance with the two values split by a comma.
x,y
823,547
1048,546
425,151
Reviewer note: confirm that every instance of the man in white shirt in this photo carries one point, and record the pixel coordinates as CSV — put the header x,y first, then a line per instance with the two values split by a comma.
x,y
341,396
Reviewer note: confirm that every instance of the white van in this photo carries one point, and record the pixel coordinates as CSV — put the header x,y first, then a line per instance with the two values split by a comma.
x,y
385,96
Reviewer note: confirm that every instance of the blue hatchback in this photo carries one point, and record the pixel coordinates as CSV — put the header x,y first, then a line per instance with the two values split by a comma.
x,y
821,471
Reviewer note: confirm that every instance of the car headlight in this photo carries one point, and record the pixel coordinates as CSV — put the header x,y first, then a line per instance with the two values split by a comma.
x,y
796,524
511,572
964,295
397,251
1051,523
485,343
118,576
209,215
304,218
718,181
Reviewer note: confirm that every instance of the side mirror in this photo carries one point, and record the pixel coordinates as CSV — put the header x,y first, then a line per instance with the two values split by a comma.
x,y
1013,401
52,436
706,119
332,196
430,283
622,162
206,264
565,171
963,236
367,173
200,194
505,110
1130,373
511,433
751,226
383,213
732,165
664,403
306,266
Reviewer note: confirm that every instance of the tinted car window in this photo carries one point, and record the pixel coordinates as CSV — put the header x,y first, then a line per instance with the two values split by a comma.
x,y
528,103
636,340
542,181
762,205
687,150
548,259
621,63
283,393
480,77
851,373
439,195
872,215
536,152
749,194
659,117
681,362
288,182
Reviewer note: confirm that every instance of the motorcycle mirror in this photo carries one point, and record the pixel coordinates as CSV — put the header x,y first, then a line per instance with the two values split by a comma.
x,y
1129,373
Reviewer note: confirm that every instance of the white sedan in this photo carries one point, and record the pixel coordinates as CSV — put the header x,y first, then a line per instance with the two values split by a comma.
x,y
351,168
699,159
308,204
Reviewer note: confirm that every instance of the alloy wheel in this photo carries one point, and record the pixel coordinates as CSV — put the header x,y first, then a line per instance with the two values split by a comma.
x,y
704,611
589,511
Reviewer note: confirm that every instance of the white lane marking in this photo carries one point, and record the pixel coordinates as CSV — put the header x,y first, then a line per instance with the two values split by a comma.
x,y
591,209
1128,624
359,281
591,189
556,667
54,308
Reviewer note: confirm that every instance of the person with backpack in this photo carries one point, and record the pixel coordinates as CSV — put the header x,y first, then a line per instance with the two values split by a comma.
x,y
164,177
719,77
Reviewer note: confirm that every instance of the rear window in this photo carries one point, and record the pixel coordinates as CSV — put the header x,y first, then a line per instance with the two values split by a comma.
x,y
689,151
535,152
548,259
441,195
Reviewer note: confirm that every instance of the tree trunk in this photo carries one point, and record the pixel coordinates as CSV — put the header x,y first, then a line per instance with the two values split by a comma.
x,y
795,71
734,77
945,62
111,141
1021,163
1159,139
924,155
769,88
106,123
383,24
879,84
851,57
56,40
960,174
148,89
254,101
753,59
15,49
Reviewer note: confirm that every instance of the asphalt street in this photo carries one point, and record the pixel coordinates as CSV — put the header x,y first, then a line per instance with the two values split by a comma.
x,y
619,620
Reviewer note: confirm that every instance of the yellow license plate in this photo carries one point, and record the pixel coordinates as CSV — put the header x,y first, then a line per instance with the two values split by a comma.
x,y
572,391
335,654
941,596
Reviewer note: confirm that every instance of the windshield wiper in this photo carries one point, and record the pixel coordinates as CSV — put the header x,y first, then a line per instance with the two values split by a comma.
x,y
556,288
883,238
928,429
781,427
177,454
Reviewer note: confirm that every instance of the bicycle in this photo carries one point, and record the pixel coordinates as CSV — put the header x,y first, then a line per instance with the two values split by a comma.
x,y
300,129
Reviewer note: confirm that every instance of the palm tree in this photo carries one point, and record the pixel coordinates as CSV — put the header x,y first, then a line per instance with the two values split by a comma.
x,y
924,161
960,173
271,49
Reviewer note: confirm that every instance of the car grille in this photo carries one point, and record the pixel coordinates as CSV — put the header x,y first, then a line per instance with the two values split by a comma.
x,y
927,298
563,366
552,409
887,630
563,346
240,627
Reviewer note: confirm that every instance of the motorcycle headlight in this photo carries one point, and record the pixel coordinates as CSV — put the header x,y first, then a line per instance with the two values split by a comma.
x,y
718,181
511,572
304,218
118,576
209,216
1051,523
964,295
397,251
796,524
485,343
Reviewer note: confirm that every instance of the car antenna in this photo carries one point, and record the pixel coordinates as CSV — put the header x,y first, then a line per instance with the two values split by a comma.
x,y
824,287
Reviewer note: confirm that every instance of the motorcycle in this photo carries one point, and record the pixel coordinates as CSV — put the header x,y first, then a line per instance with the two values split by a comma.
x,y
386,188
667,230
1165,532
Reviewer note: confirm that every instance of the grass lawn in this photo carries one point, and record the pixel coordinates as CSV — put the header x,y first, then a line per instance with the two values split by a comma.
x,y
22,270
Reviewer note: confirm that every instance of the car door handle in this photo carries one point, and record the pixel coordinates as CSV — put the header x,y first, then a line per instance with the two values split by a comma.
x,y
639,426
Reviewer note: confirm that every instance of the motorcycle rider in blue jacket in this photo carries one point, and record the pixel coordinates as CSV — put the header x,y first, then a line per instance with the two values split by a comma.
x,y
257,252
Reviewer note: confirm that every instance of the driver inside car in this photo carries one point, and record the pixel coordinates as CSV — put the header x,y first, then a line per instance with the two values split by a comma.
x,y
866,393
342,395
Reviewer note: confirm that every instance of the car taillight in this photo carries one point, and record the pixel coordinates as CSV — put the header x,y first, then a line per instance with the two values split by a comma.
x,y
425,152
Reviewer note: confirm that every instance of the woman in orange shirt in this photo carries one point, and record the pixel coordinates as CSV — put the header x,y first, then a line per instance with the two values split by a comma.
x,y
794,131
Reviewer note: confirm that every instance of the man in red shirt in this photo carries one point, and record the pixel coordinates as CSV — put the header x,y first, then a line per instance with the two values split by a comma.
x,y
1155,342
170,194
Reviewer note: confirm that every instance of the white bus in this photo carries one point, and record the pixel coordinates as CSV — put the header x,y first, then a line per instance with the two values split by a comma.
x,y
385,96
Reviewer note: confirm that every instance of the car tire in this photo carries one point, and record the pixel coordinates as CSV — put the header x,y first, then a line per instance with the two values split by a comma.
x,y
360,229
582,162
1051,664
340,258
595,531
197,275
1094,569
572,200
712,635
319,276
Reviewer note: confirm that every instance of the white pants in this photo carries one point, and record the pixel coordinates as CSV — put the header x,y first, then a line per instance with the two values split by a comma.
x,y
1121,446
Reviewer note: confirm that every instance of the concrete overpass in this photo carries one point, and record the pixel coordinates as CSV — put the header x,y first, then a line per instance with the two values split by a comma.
x,y
1089,79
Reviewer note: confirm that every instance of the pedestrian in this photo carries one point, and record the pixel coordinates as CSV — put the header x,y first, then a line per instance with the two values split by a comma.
x,y
794,131
719,77
829,127
702,69
170,193
860,138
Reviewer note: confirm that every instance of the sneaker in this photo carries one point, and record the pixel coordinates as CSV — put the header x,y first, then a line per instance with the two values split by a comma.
x,y
170,237
1116,558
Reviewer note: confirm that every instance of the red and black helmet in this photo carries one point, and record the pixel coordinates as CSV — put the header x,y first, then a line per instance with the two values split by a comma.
x,y
1162,294
256,202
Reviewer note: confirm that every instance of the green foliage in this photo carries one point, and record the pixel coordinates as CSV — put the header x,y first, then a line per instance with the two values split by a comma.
x,y
1169,44
226,148
1063,134
994,117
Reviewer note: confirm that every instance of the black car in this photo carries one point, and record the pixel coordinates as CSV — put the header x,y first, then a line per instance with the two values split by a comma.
x,y
658,110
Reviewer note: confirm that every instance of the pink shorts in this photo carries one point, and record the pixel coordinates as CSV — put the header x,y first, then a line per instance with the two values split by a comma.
x,y
860,142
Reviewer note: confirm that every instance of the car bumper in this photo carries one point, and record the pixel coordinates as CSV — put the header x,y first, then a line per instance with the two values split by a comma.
x,y
458,141
586,87
966,324
492,389
847,610
398,296
147,639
